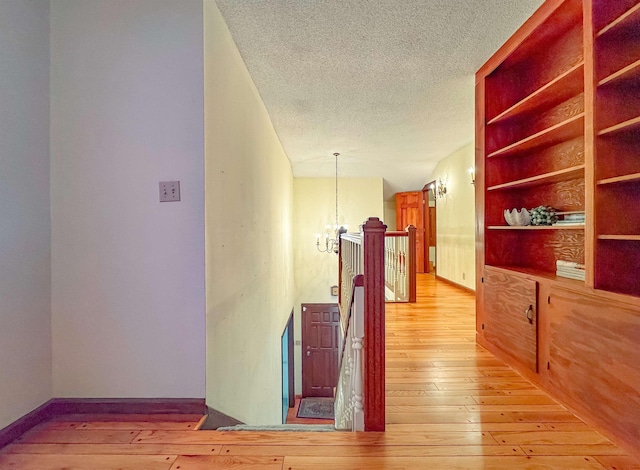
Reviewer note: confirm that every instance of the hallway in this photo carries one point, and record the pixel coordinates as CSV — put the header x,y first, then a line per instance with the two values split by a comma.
x,y
450,405
439,379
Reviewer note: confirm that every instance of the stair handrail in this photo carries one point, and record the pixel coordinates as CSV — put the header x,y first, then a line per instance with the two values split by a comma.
x,y
358,281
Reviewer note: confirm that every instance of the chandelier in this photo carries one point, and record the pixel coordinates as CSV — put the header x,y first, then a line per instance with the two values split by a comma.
x,y
332,232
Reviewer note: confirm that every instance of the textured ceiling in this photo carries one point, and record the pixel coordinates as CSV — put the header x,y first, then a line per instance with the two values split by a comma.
x,y
387,83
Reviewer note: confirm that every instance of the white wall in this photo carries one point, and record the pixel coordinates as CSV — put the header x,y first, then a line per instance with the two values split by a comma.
x,y
314,208
455,219
25,256
128,311
249,238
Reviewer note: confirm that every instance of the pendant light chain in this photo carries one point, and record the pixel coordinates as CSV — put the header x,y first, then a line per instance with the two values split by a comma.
x,y
331,243
336,155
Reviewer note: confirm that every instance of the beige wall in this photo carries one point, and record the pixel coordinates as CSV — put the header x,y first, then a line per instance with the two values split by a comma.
x,y
390,213
314,208
455,214
128,314
25,220
249,259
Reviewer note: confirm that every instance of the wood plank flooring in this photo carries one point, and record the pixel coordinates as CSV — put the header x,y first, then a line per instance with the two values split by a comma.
x,y
450,405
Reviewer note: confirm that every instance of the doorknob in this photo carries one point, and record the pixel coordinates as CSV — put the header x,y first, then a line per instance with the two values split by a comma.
x,y
308,353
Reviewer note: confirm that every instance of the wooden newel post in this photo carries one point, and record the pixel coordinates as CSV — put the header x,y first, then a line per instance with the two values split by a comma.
x,y
411,267
374,325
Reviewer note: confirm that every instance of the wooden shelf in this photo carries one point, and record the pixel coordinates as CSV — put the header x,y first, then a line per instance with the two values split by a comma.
x,y
546,178
538,273
537,227
635,177
565,130
563,87
627,238
629,19
626,126
629,73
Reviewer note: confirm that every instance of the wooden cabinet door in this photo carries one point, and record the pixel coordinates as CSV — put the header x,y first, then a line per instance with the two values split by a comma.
x,y
410,211
594,359
510,316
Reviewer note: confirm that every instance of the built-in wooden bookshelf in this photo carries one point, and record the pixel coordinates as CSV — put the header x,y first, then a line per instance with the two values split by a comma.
x,y
533,149
558,124
617,146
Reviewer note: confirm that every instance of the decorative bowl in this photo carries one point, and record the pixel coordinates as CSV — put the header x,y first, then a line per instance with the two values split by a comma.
x,y
513,217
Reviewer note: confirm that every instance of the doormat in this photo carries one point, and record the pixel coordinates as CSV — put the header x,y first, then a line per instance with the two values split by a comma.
x,y
316,408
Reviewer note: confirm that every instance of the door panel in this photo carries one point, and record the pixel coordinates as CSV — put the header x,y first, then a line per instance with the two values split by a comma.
x,y
410,211
510,322
320,340
594,358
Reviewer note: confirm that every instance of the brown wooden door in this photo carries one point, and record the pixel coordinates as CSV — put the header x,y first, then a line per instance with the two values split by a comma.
x,y
320,339
410,211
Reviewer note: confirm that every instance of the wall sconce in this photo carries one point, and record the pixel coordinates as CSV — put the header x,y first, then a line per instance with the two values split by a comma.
x,y
472,172
441,188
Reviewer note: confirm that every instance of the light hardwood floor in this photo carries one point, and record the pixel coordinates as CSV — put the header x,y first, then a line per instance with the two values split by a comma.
x,y
450,405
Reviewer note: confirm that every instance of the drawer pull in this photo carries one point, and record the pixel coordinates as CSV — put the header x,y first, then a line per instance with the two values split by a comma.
x,y
529,314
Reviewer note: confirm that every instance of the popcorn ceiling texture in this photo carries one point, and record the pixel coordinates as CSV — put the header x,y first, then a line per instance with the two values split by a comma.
x,y
389,84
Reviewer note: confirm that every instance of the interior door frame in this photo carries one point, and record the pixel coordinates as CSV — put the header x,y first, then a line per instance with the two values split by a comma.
x,y
430,186
290,371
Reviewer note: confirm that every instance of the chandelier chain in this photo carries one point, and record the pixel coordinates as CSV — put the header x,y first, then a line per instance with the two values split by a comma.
x,y
336,155
331,237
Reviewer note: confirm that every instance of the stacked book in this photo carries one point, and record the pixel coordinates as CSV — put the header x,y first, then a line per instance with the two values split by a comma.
x,y
570,218
570,270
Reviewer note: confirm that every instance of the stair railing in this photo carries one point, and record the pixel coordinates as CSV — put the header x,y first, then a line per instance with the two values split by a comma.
x,y
348,408
400,265
364,343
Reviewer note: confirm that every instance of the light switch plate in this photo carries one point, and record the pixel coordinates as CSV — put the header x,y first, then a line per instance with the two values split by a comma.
x,y
169,191
334,291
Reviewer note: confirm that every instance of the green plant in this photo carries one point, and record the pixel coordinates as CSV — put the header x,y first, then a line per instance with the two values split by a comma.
x,y
543,215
